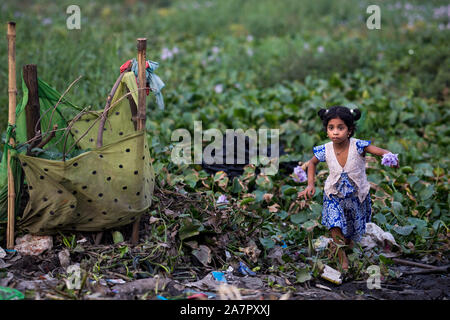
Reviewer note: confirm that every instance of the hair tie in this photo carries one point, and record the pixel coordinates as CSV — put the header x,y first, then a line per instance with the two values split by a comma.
x,y
326,111
351,111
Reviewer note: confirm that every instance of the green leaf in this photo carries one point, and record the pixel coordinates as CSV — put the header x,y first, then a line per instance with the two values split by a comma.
x,y
310,225
412,180
247,200
380,218
288,190
282,214
437,224
397,207
299,218
316,210
384,260
117,237
398,197
267,243
190,227
191,180
407,169
421,226
426,193
404,231
236,187
303,275
264,182
259,195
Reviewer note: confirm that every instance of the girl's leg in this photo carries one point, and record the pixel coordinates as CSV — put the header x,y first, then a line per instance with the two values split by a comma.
x,y
350,244
339,238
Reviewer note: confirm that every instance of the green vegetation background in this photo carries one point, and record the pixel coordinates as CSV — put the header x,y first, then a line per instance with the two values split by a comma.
x,y
273,64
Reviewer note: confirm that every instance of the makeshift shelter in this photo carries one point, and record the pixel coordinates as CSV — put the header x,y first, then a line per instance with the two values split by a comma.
x,y
95,172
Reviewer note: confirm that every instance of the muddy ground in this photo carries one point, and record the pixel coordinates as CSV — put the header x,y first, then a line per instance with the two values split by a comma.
x,y
163,267
44,277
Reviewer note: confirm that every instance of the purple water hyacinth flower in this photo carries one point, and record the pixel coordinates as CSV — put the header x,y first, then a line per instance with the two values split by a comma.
x,y
215,50
218,88
222,199
299,174
166,54
390,159
47,21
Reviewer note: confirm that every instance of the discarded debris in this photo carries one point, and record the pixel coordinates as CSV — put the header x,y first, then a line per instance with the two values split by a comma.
x,y
200,296
331,275
10,294
229,292
245,270
377,237
139,286
193,293
219,276
64,258
203,254
33,245
321,243
207,283
318,285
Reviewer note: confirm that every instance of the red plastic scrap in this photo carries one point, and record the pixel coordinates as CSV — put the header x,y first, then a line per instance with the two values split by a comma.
x,y
200,296
127,65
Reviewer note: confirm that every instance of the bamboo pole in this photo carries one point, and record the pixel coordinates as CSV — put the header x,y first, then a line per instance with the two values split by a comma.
x,y
141,46
12,91
141,114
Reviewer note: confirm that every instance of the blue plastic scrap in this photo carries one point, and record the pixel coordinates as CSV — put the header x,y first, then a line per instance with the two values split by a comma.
x,y
245,270
219,276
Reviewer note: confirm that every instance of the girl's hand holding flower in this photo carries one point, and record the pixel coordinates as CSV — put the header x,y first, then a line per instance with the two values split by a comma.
x,y
390,160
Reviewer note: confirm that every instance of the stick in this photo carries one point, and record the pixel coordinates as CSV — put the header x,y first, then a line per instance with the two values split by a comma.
x,y
106,109
426,271
412,263
141,47
12,92
48,138
32,108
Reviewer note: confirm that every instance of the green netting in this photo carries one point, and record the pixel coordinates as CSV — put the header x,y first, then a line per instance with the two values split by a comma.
x,y
99,189
48,98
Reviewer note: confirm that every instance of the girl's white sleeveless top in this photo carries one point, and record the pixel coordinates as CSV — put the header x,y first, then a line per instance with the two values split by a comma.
x,y
355,167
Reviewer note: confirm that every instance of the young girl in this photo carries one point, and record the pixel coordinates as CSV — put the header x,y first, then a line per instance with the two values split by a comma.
x,y
346,199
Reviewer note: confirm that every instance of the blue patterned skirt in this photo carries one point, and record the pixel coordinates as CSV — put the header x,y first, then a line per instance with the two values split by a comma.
x,y
345,211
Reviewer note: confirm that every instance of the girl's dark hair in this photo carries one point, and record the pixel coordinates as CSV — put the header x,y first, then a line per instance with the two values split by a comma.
x,y
349,116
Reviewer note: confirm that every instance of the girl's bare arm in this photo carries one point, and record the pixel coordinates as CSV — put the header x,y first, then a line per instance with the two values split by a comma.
x,y
310,189
376,151
312,170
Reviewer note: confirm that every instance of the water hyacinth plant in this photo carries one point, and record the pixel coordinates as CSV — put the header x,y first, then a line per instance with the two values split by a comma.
x,y
390,159
299,174
222,199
